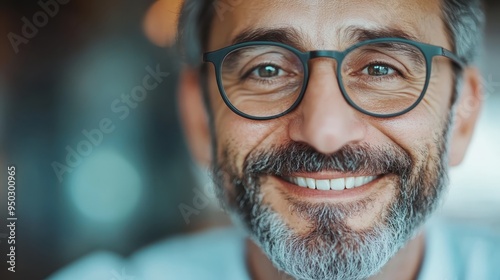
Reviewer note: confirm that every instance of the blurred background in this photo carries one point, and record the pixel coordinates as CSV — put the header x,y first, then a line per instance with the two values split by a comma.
x,y
99,170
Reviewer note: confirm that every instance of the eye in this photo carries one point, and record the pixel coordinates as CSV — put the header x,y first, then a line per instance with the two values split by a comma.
x,y
267,71
378,70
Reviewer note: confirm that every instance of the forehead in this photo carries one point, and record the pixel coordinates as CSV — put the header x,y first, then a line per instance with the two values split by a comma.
x,y
325,24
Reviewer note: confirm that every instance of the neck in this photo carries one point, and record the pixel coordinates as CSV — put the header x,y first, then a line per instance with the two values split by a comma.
x,y
405,265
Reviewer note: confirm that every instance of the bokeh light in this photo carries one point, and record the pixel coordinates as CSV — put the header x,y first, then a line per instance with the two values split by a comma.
x,y
106,187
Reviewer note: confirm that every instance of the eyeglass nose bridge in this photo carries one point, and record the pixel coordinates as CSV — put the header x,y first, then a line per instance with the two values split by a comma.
x,y
338,56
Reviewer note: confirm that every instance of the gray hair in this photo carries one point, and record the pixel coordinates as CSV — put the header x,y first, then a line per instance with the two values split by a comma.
x,y
464,21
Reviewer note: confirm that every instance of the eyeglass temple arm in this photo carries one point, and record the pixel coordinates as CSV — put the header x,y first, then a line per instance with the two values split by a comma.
x,y
453,57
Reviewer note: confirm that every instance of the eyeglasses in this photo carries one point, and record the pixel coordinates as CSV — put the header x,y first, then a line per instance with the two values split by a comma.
x,y
383,78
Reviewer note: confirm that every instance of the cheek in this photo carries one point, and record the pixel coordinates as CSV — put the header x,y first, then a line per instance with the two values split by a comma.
x,y
427,121
437,100
416,130
239,135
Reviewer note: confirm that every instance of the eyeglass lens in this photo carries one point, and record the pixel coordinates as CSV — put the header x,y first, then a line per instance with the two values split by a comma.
x,y
381,78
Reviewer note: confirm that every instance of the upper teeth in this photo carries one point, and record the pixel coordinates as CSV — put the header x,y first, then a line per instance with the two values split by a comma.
x,y
332,184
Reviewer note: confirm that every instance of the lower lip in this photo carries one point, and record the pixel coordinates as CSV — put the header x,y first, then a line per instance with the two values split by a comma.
x,y
349,194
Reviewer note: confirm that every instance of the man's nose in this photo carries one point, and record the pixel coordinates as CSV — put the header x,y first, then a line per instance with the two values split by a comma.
x,y
324,119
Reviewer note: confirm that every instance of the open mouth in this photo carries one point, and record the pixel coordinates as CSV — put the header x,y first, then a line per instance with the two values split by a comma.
x,y
337,184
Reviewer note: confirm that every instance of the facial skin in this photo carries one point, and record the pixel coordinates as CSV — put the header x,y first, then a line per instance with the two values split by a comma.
x,y
345,234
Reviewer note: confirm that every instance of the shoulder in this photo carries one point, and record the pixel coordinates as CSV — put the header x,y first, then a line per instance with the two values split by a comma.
x,y
96,266
460,250
470,241
470,235
215,254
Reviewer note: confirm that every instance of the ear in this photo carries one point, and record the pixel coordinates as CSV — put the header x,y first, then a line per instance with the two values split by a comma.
x,y
468,109
194,117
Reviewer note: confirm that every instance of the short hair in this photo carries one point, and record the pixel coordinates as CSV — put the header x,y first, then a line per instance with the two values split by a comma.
x,y
463,19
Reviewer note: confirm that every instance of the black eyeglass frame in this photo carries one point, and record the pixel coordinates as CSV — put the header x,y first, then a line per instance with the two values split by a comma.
x,y
217,58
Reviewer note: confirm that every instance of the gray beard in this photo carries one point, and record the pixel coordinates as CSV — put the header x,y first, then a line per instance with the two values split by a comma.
x,y
331,249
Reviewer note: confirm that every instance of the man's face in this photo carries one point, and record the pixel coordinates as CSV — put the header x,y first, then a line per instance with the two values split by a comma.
x,y
397,165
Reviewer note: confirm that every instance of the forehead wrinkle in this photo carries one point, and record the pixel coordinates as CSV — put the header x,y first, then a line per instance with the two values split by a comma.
x,y
322,30
305,40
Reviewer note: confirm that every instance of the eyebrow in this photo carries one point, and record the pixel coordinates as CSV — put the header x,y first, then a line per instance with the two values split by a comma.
x,y
286,35
292,37
355,34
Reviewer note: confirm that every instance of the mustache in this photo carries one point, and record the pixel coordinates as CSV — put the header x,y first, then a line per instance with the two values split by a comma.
x,y
295,157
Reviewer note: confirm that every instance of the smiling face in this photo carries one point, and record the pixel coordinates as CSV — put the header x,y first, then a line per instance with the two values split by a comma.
x,y
327,191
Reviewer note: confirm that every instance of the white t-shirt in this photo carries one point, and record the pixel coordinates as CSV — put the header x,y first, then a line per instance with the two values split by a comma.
x,y
451,253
